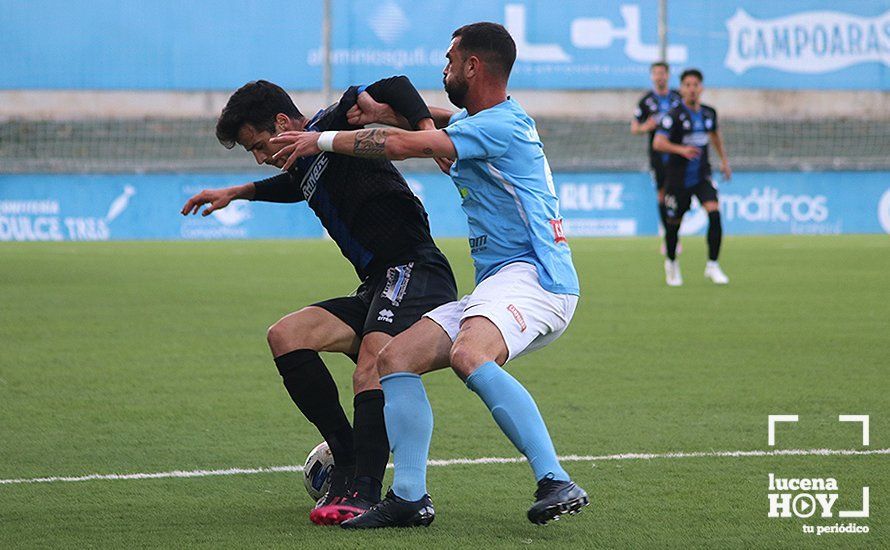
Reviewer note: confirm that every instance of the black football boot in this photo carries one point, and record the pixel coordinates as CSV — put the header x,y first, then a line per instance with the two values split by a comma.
x,y
554,498
393,511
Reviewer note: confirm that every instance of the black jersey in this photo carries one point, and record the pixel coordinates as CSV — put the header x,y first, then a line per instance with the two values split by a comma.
x,y
656,106
686,127
365,204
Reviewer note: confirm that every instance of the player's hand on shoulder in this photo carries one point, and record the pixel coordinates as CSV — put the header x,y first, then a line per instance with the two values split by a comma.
x,y
296,145
215,198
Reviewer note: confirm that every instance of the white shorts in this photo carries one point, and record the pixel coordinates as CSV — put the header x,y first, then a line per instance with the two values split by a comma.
x,y
528,316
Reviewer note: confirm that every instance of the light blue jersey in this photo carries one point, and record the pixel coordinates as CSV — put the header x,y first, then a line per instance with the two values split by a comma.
x,y
508,195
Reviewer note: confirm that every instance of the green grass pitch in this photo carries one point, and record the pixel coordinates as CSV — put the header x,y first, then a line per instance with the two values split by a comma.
x,y
151,357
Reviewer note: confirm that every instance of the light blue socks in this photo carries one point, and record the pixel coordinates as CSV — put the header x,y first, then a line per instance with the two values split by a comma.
x,y
515,411
409,426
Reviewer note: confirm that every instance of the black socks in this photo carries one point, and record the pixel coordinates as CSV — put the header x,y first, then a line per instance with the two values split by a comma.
x,y
313,390
371,444
671,236
715,235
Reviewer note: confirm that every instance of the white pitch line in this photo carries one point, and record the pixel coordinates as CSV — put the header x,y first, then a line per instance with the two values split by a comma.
x,y
456,462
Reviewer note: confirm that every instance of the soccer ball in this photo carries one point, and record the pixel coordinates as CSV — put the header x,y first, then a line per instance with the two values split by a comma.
x,y
317,471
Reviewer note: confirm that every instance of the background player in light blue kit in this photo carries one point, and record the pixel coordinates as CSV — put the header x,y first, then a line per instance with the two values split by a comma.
x,y
527,288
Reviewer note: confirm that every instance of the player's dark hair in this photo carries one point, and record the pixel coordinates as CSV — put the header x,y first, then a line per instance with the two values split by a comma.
x,y
256,103
661,64
491,42
692,72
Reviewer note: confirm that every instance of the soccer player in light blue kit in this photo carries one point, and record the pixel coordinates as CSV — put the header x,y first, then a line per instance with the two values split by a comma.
x,y
527,287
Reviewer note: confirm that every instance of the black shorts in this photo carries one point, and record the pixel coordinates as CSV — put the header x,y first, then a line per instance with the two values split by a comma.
x,y
677,202
396,297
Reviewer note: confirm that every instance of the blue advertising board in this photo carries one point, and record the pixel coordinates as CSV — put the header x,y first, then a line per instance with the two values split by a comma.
x,y
133,207
570,44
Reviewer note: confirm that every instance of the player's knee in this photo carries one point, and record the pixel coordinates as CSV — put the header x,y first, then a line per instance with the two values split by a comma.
x,y
390,360
464,359
286,335
274,336
365,377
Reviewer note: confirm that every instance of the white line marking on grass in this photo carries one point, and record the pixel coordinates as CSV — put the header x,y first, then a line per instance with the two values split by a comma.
x,y
456,462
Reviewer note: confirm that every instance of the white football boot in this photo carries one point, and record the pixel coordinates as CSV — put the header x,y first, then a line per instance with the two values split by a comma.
x,y
713,272
672,274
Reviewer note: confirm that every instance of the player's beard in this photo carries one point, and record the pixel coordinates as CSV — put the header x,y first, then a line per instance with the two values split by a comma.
x,y
457,91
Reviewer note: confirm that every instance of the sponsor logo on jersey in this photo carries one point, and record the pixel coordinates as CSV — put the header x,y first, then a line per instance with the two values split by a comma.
x,y
810,42
478,244
517,316
310,180
559,235
385,315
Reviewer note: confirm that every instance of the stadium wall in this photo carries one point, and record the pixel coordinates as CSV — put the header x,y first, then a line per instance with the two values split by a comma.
x,y
611,104
136,207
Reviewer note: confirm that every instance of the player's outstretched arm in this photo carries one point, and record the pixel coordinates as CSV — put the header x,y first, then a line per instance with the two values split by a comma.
x,y
390,143
217,198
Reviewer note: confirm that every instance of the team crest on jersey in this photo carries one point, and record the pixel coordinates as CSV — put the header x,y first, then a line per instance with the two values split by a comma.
x,y
310,180
397,279
559,235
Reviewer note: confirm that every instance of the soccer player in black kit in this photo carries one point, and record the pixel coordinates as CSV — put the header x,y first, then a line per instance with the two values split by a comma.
x,y
652,106
685,133
382,229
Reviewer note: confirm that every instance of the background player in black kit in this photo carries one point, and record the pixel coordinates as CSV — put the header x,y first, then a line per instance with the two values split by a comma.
x,y
382,229
652,106
685,133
